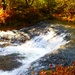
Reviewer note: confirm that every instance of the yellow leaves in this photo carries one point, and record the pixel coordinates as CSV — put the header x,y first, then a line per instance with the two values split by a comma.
x,y
62,47
1,15
1,11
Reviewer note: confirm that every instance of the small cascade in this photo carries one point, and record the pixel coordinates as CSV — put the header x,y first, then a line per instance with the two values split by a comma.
x,y
31,50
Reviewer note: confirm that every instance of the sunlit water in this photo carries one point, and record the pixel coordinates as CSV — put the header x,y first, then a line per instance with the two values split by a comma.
x,y
33,49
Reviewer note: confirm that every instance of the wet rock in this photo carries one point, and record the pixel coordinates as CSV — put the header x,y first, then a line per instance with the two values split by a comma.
x,y
9,62
14,36
5,44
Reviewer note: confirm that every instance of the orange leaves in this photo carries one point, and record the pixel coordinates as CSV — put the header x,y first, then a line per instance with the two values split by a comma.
x,y
0,6
3,15
33,72
42,72
60,70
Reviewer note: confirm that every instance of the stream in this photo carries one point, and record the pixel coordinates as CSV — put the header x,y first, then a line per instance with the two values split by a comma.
x,y
34,48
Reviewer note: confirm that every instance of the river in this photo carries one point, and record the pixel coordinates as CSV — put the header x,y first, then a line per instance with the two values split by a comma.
x,y
36,47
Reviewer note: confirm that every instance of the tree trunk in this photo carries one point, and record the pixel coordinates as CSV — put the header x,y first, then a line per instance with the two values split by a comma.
x,y
29,2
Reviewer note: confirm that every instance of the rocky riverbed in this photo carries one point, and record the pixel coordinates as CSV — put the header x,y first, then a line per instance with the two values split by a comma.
x,y
36,47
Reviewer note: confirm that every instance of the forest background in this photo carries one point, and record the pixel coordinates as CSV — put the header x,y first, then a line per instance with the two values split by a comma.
x,y
15,14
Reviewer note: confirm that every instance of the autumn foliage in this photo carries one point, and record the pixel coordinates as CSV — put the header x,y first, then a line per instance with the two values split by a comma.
x,y
20,13
60,70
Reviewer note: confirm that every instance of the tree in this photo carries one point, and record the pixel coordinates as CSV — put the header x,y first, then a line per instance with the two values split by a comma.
x,y
3,4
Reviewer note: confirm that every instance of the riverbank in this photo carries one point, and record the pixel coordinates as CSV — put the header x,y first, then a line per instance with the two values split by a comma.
x,y
18,25
69,18
32,16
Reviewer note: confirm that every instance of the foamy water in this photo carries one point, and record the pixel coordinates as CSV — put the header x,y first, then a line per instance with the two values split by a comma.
x,y
33,49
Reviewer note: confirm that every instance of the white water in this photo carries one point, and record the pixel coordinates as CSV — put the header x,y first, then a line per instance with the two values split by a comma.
x,y
33,49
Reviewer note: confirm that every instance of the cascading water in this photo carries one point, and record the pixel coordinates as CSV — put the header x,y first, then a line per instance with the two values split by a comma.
x,y
31,50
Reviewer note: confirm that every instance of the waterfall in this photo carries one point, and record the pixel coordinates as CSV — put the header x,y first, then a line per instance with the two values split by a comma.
x,y
32,49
